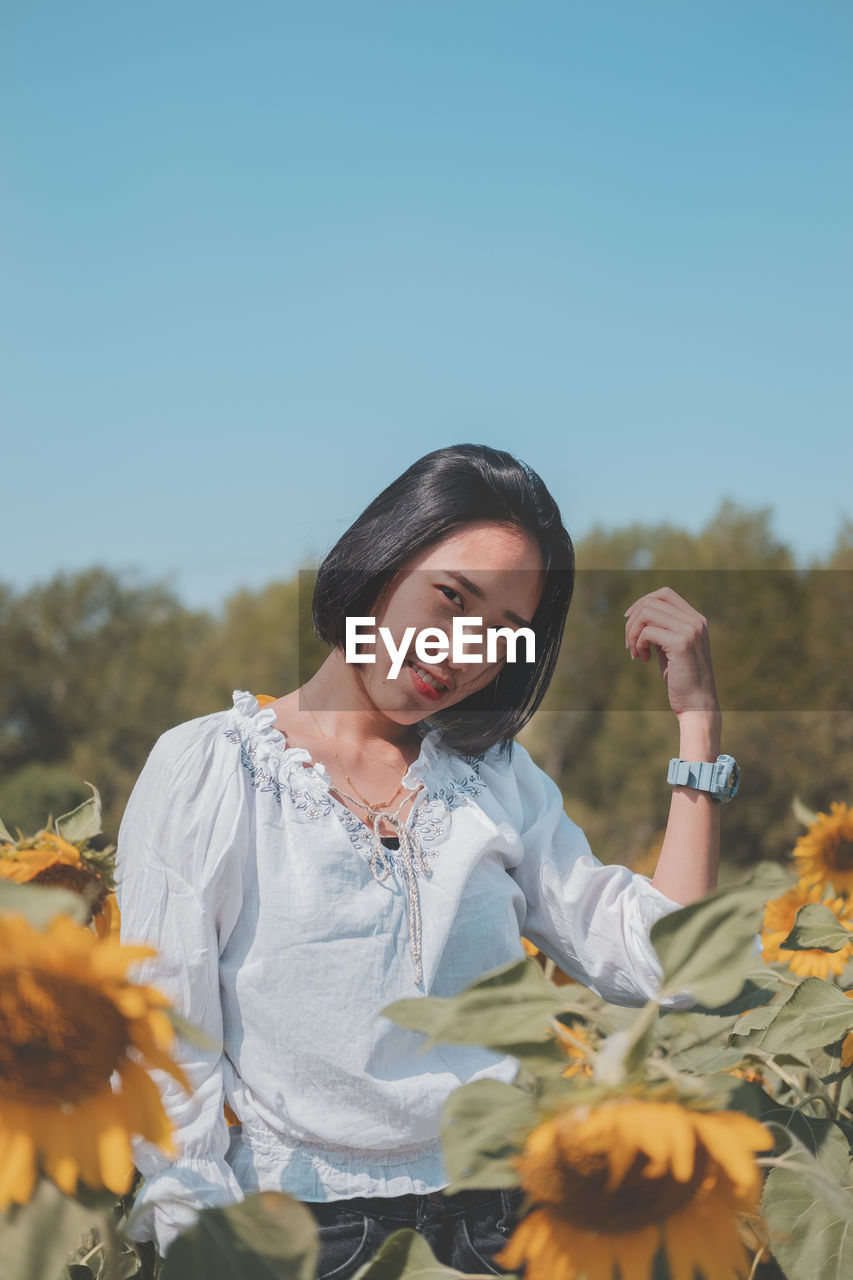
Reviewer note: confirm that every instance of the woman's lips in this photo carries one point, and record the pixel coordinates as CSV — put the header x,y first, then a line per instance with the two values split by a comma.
x,y
424,689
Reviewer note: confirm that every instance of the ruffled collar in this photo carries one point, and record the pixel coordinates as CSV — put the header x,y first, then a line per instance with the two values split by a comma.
x,y
271,744
269,752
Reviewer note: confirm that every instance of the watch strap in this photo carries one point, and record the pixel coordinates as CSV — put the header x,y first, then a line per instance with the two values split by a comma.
x,y
719,778
698,774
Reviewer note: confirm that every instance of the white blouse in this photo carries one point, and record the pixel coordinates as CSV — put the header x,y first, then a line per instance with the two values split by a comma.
x,y
282,936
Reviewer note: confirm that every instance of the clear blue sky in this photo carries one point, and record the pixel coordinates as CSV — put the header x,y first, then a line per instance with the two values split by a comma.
x,y
257,257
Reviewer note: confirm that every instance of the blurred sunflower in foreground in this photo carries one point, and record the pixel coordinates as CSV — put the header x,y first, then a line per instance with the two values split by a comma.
x,y
612,1183
824,854
779,918
47,859
69,1019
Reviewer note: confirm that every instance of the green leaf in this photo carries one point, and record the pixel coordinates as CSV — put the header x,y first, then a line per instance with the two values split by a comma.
x,y
706,1059
505,1007
267,1236
816,926
83,822
541,1058
821,1138
405,1255
5,834
802,812
624,1051
40,903
750,1028
815,1014
708,947
759,989
482,1126
808,1206
36,1238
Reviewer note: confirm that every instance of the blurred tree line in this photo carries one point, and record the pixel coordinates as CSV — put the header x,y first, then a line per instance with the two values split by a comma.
x,y
93,669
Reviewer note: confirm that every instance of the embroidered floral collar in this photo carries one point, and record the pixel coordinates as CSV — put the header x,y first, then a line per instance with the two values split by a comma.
x,y
274,766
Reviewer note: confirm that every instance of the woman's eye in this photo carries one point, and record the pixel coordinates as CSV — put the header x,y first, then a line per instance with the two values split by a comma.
x,y
450,592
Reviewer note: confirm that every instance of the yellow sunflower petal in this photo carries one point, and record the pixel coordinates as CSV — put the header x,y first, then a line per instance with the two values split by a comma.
x,y
59,1159
731,1138
664,1133
17,1168
541,1245
114,1156
113,959
847,1050
142,1105
703,1236
84,1123
634,1253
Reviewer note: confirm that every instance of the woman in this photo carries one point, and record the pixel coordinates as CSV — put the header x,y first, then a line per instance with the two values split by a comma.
x,y
371,836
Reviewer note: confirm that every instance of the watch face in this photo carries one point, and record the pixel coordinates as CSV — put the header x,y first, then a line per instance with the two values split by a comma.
x,y
725,779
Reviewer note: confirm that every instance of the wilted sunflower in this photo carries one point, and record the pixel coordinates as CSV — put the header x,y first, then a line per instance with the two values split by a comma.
x,y
779,917
825,853
69,1019
47,859
612,1183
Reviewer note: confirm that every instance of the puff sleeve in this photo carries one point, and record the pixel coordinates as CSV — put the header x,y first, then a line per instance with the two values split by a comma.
x,y
593,920
178,888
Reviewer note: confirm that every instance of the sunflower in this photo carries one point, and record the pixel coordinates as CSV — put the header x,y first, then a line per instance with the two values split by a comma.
x,y
69,1019
825,853
47,859
779,917
578,1048
611,1183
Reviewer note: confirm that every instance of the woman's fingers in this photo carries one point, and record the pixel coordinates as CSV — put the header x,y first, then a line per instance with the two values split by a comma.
x,y
664,621
681,622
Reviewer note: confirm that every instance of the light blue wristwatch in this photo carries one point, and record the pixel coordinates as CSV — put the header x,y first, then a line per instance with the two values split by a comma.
x,y
720,778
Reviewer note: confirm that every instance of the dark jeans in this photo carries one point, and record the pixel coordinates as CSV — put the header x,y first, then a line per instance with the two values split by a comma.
x,y
463,1230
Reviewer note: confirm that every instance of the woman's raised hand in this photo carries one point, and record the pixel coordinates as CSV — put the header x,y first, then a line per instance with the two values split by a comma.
x,y
665,622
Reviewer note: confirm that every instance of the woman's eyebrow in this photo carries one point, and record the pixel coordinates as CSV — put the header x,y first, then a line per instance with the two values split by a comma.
x,y
481,595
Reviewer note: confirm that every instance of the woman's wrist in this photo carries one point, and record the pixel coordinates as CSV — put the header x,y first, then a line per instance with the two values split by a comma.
x,y
700,734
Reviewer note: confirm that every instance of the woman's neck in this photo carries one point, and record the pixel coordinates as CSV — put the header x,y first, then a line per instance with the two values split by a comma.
x,y
345,714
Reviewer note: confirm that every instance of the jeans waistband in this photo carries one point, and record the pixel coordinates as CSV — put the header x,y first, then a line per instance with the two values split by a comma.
x,y
412,1207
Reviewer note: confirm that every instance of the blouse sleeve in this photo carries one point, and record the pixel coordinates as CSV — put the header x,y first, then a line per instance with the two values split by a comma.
x,y
178,888
592,920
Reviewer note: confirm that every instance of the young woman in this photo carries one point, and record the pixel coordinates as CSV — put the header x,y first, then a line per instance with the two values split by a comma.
x,y
373,836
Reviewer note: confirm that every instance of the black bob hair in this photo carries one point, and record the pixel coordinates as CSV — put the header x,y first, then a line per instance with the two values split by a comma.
x,y
433,498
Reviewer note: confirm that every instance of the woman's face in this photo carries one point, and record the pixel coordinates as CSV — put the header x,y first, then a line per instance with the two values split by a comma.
x,y
484,570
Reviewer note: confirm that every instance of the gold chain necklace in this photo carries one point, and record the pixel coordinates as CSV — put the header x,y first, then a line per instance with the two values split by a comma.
x,y
372,808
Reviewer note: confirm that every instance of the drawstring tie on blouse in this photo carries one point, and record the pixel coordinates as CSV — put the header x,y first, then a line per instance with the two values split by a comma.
x,y
412,855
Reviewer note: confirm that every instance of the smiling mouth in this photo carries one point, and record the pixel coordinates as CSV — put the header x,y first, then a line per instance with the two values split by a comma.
x,y
428,678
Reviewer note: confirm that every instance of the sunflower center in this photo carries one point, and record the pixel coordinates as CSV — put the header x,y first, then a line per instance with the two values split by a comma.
x,y
77,879
587,1203
60,1041
839,855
